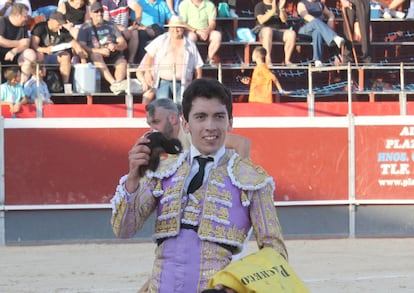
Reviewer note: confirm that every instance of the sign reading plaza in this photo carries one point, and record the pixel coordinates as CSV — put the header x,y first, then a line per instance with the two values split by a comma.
x,y
394,153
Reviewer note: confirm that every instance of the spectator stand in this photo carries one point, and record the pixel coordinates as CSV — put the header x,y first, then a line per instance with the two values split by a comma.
x,y
392,40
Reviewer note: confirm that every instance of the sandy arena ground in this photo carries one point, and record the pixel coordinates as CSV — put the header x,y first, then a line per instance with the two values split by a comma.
x,y
340,265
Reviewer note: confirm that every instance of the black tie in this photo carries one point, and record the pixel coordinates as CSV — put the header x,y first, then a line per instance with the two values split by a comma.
x,y
197,180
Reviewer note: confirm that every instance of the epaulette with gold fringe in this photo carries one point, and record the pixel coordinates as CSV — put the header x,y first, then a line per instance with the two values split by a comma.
x,y
247,176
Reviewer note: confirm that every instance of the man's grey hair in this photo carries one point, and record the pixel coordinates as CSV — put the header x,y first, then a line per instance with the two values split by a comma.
x,y
167,104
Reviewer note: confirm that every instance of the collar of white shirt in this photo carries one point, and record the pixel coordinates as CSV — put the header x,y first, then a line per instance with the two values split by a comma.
x,y
216,157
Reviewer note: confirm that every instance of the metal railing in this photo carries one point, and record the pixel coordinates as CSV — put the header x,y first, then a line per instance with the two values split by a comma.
x,y
140,73
401,90
352,88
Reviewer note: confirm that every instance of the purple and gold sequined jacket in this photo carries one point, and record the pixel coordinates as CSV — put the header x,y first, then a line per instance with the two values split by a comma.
x,y
236,195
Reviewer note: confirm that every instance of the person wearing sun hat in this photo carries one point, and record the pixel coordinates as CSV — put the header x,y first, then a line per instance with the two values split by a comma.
x,y
171,56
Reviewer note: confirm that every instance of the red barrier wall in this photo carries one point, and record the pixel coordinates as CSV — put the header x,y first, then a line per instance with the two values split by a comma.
x,y
81,162
58,166
306,163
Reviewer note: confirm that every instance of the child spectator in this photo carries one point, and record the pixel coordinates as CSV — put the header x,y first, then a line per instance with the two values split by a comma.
x,y
11,92
261,83
31,89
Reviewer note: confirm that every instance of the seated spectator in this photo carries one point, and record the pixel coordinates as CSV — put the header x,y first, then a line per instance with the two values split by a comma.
x,y
46,35
270,26
11,92
313,12
154,15
105,45
200,16
150,20
6,6
261,83
31,88
117,11
76,13
168,52
15,41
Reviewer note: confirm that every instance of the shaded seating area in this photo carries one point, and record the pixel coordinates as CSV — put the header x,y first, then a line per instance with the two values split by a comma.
x,y
392,43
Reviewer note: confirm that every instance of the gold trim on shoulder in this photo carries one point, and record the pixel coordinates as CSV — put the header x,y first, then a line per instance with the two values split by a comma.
x,y
245,175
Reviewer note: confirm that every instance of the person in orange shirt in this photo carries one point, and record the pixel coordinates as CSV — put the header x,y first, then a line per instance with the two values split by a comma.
x,y
262,80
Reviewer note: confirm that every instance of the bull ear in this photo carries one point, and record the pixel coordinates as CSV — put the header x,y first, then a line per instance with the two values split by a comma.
x,y
172,146
168,145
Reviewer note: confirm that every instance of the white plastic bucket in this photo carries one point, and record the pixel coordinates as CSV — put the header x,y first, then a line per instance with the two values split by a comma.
x,y
84,78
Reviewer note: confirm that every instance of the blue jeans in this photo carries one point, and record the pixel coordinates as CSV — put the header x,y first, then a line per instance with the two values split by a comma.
x,y
165,90
320,33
